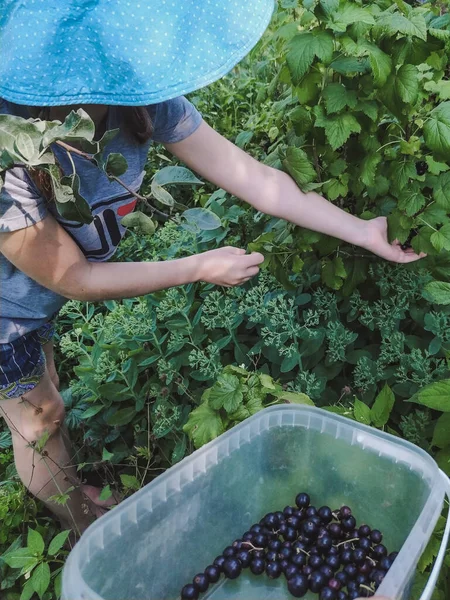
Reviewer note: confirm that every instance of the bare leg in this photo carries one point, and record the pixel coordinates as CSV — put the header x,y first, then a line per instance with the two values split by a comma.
x,y
40,453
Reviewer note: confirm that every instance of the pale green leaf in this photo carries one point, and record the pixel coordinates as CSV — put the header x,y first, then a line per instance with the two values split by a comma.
x,y
362,412
295,398
22,558
130,482
176,175
438,292
226,393
27,591
382,407
58,542
204,424
441,239
202,218
435,396
441,190
35,542
139,221
41,579
347,15
429,554
105,494
24,146
161,194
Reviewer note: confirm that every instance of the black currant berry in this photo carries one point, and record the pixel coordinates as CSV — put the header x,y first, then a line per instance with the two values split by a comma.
x,y
335,530
345,512
229,552
348,524
328,594
359,556
285,553
393,556
342,577
421,167
346,557
201,582
342,596
365,544
333,561
302,500
273,570
232,568
290,535
315,561
298,585
311,511
307,570
279,517
288,511
299,560
189,592
378,576
294,522
291,571
256,528
327,571
379,551
261,540
258,566
310,529
284,564
324,544
270,520
386,563
376,536
275,545
212,573
364,531
351,570
245,557
219,561
272,555
325,514
335,584
317,581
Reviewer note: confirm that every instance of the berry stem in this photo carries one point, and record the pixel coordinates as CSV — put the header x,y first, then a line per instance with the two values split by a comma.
x,y
346,542
252,546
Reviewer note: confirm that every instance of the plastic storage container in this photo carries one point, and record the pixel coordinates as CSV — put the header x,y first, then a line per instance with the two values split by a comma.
x,y
157,540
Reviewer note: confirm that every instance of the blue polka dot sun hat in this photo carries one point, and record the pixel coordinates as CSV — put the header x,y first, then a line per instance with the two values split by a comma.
x,y
59,52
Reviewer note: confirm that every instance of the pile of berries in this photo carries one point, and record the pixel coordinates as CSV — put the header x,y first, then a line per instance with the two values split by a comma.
x,y
316,549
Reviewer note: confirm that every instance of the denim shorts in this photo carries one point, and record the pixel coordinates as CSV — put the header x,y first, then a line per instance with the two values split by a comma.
x,y
22,362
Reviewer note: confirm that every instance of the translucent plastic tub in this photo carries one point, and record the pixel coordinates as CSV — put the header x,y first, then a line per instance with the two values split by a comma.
x,y
157,540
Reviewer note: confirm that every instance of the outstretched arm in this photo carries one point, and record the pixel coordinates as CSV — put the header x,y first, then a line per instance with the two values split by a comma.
x,y
275,193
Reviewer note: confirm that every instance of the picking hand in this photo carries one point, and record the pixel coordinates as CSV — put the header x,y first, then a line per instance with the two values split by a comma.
x,y
376,240
228,266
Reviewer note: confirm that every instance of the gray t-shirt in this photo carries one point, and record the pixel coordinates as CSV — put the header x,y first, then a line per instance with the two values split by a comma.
x,y
24,304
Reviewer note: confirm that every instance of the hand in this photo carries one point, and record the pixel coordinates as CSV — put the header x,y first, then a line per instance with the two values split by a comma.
x,y
228,266
376,240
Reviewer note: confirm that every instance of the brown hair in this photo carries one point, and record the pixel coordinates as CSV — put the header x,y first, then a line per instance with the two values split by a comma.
x,y
137,125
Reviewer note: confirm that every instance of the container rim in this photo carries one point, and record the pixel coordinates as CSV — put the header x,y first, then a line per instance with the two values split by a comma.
x,y
404,554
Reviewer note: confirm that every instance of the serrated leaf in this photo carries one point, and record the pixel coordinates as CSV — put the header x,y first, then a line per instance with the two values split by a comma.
x,y
441,190
204,424
441,435
226,393
435,396
362,412
299,166
380,62
338,128
382,407
116,165
338,97
369,168
438,292
334,189
347,15
411,200
300,55
35,542
323,44
333,272
130,482
349,65
58,542
441,239
435,167
429,554
401,87
392,24
436,130
203,218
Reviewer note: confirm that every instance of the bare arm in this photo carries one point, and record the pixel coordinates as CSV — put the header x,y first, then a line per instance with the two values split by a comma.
x,y
46,253
275,193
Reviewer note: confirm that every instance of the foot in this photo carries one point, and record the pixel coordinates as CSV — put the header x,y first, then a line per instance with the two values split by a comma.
x,y
93,496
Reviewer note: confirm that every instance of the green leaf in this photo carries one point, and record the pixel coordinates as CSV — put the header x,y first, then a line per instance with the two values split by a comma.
x,y
122,416
299,166
349,65
300,55
77,208
357,269
437,292
204,424
162,195
347,15
369,168
393,24
105,494
436,130
338,128
41,579
57,585
411,200
362,412
130,482
22,558
24,146
295,398
441,239
116,165
91,411
35,542
429,554
58,542
226,393
380,62
338,97
176,175
139,221
203,218
27,591
333,272
323,44
435,396
382,407
402,86
441,189
441,435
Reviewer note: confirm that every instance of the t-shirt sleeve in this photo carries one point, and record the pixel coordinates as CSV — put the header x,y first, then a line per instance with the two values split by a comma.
x,y
21,205
174,120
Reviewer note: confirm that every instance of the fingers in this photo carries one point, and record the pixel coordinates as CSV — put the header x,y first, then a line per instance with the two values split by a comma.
x,y
255,258
234,250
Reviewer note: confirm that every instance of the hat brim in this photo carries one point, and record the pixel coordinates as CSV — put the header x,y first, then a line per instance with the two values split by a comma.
x,y
60,53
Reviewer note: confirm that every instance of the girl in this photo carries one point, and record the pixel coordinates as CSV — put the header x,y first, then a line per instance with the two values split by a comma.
x,y
128,68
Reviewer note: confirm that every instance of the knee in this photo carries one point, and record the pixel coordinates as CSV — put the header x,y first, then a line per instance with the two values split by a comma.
x,y
45,420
